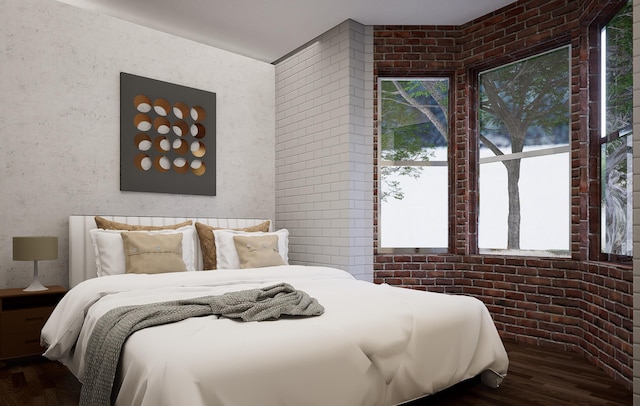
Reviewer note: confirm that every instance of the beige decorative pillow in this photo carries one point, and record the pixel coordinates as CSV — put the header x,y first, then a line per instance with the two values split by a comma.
x,y
105,224
153,253
208,242
257,251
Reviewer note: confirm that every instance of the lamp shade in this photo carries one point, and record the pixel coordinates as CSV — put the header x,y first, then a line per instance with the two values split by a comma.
x,y
35,248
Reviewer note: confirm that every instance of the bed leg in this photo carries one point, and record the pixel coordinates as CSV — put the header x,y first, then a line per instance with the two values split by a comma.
x,y
491,378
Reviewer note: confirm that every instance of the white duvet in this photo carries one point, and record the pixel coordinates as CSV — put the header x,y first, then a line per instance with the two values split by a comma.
x,y
374,345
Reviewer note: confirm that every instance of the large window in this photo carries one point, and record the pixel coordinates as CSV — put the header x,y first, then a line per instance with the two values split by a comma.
x,y
413,174
616,136
524,174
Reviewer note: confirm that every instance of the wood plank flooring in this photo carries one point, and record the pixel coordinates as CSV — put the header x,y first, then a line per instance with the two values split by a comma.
x,y
36,381
537,377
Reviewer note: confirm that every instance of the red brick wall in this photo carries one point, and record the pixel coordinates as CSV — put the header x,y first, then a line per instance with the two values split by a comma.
x,y
576,304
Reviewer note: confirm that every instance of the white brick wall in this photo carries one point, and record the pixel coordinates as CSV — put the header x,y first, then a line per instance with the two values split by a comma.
x,y
324,150
636,202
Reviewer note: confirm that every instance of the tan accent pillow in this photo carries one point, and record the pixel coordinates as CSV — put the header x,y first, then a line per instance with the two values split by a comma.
x,y
257,251
208,242
105,224
153,253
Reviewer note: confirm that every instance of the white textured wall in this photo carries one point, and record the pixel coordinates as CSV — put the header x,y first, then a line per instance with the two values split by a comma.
x,y
59,125
324,150
636,202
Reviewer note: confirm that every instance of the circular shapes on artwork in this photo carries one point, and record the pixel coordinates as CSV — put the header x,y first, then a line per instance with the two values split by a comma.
x,y
142,141
161,140
162,163
198,167
142,162
142,122
162,144
180,165
198,113
181,110
162,125
180,146
198,131
142,103
180,128
198,149
161,107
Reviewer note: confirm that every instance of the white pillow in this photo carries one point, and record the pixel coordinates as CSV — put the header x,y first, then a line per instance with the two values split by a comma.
x,y
109,249
226,249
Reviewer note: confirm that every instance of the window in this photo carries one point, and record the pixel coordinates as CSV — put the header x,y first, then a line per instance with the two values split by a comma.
x,y
413,174
616,136
524,173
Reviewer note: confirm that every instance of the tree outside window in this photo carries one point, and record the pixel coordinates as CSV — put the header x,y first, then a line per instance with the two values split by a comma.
x,y
616,136
524,174
412,162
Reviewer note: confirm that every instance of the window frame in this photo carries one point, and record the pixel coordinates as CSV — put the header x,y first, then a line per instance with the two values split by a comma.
x,y
610,137
597,139
450,76
474,100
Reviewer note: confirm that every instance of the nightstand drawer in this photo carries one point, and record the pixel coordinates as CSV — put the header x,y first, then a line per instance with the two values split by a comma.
x,y
20,344
27,321
22,316
21,331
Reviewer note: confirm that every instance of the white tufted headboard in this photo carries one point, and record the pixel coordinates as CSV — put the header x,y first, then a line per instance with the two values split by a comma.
x,y
82,259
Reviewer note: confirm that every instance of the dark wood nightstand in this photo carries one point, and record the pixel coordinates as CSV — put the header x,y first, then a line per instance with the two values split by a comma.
x,y
22,315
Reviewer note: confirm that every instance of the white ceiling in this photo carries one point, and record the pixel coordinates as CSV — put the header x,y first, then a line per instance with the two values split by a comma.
x,y
270,29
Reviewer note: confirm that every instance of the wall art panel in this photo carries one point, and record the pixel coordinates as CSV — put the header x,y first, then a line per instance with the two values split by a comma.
x,y
167,137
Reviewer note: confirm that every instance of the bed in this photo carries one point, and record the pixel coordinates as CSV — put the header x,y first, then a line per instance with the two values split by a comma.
x,y
372,344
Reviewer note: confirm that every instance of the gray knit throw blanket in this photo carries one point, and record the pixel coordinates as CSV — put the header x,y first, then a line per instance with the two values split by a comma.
x,y
112,329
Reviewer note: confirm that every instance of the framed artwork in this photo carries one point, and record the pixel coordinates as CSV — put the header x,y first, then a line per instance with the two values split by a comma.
x,y
167,137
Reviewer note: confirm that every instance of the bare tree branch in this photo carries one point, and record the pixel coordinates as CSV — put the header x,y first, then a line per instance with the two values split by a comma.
x,y
440,126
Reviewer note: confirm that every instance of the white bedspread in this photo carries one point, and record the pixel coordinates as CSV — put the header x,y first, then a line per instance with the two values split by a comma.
x,y
374,345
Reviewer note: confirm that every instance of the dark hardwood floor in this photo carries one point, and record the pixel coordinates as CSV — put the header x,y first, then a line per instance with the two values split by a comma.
x,y
37,381
537,377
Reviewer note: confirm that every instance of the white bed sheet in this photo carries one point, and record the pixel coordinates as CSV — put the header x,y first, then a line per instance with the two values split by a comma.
x,y
374,345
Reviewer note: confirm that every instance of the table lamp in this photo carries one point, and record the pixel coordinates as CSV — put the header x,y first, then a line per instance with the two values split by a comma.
x,y
35,249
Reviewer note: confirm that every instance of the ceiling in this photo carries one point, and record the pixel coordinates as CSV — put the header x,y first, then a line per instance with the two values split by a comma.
x,y
267,30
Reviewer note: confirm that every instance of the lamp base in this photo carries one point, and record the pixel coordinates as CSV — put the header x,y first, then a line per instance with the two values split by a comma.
x,y
35,286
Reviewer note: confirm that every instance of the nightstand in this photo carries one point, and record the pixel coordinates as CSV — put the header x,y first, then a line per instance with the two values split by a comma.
x,y
22,315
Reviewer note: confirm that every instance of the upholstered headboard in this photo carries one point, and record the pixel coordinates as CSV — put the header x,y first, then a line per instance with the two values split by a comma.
x,y
82,259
